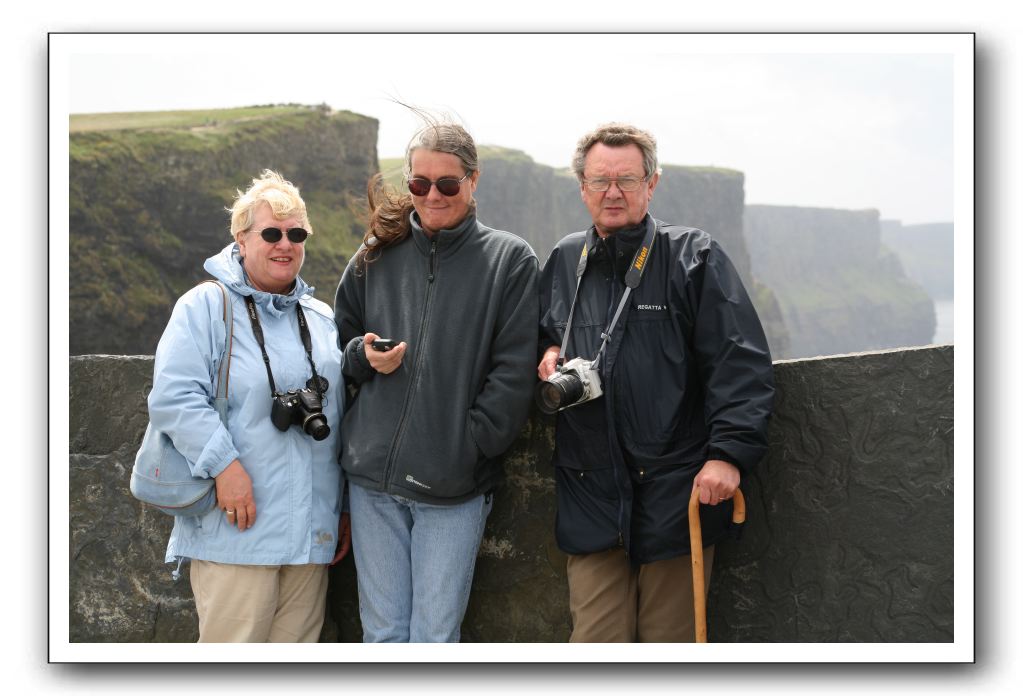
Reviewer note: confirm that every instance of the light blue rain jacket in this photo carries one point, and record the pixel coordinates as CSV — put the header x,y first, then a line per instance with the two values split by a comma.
x,y
296,480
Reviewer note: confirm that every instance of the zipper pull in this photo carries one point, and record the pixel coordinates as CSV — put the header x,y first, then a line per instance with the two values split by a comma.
x,y
433,255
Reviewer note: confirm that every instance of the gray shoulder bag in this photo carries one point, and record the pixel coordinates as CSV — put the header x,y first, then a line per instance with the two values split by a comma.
x,y
161,476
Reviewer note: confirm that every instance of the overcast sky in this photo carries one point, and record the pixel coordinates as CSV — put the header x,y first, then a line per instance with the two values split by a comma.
x,y
827,120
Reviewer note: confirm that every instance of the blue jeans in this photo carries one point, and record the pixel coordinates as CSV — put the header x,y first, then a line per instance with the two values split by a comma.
x,y
415,563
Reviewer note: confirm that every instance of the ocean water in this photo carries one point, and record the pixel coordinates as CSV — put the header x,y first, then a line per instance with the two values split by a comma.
x,y
943,329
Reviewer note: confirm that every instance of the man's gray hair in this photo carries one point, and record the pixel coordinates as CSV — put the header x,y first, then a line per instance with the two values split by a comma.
x,y
617,135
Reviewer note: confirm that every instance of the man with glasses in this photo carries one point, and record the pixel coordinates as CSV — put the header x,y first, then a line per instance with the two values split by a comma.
x,y
686,390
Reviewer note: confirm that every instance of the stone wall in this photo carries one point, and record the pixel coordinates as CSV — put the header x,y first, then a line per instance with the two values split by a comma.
x,y
849,532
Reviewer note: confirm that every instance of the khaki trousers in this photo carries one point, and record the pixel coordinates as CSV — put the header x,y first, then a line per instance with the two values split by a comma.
x,y
257,603
614,602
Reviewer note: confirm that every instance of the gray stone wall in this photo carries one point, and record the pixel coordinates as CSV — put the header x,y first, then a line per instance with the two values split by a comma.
x,y
849,532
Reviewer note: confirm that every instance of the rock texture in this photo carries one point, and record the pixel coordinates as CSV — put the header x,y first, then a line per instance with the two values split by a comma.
x,y
849,535
850,522
120,588
839,290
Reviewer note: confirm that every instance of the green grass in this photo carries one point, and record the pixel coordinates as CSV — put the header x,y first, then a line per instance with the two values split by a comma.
x,y
202,118
504,153
147,197
194,119
393,171
702,170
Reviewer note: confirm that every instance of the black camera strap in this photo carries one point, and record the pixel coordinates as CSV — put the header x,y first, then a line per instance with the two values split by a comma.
x,y
632,278
303,331
307,343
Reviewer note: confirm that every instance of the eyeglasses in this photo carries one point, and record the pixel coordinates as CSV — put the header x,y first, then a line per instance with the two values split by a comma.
x,y
272,235
449,185
626,184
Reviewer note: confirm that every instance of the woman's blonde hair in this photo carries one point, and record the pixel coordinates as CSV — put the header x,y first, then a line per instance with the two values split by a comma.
x,y
280,194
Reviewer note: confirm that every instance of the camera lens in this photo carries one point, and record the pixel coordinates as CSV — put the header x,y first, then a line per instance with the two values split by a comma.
x,y
559,391
316,425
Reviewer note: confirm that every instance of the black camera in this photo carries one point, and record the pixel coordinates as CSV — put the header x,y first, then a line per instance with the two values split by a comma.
x,y
575,382
302,407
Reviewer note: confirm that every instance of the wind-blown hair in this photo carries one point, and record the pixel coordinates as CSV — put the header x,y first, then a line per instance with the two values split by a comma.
x,y
445,137
389,209
280,194
617,135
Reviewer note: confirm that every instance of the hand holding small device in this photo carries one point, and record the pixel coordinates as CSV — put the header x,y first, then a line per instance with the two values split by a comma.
x,y
384,354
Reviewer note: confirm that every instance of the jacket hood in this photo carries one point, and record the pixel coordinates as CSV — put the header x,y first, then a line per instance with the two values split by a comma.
x,y
227,268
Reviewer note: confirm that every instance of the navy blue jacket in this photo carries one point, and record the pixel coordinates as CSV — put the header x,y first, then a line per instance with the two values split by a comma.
x,y
687,377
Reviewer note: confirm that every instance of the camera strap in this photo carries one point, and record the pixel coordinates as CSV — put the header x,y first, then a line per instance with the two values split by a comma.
x,y
632,278
303,331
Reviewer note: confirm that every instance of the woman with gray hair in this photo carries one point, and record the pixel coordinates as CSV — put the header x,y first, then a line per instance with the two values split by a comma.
x,y
437,314
259,559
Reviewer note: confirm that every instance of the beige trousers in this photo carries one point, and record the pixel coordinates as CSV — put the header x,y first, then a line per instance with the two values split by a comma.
x,y
613,602
257,603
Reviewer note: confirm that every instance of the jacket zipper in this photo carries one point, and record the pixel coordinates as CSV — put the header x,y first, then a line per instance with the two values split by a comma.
x,y
609,407
420,356
621,474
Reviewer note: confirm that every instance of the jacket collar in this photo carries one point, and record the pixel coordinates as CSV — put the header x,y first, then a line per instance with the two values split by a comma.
x,y
630,237
447,240
227,268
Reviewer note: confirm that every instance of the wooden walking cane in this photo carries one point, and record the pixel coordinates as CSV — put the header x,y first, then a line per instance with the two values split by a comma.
x,y
696,552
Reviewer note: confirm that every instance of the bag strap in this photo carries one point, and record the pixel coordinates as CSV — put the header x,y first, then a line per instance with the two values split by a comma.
x,y
224,372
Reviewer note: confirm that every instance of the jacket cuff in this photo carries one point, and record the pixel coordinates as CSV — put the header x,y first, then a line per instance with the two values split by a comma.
x,y
218,453
716,453
355,363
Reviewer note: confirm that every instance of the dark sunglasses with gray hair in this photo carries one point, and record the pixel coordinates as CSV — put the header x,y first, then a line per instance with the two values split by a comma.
x,y
449,185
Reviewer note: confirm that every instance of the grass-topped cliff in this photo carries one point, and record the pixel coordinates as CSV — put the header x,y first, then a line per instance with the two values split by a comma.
x,y
839,289
542,204
148,193
926,253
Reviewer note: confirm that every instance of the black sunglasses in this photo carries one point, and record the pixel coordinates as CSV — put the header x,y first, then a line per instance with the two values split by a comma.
x,y
449,185
272,235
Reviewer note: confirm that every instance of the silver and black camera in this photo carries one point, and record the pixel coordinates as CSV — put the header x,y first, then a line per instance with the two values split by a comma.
x,y
302,407
575,382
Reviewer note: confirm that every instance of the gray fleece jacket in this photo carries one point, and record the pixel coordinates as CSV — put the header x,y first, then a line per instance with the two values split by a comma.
x,y
466,302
